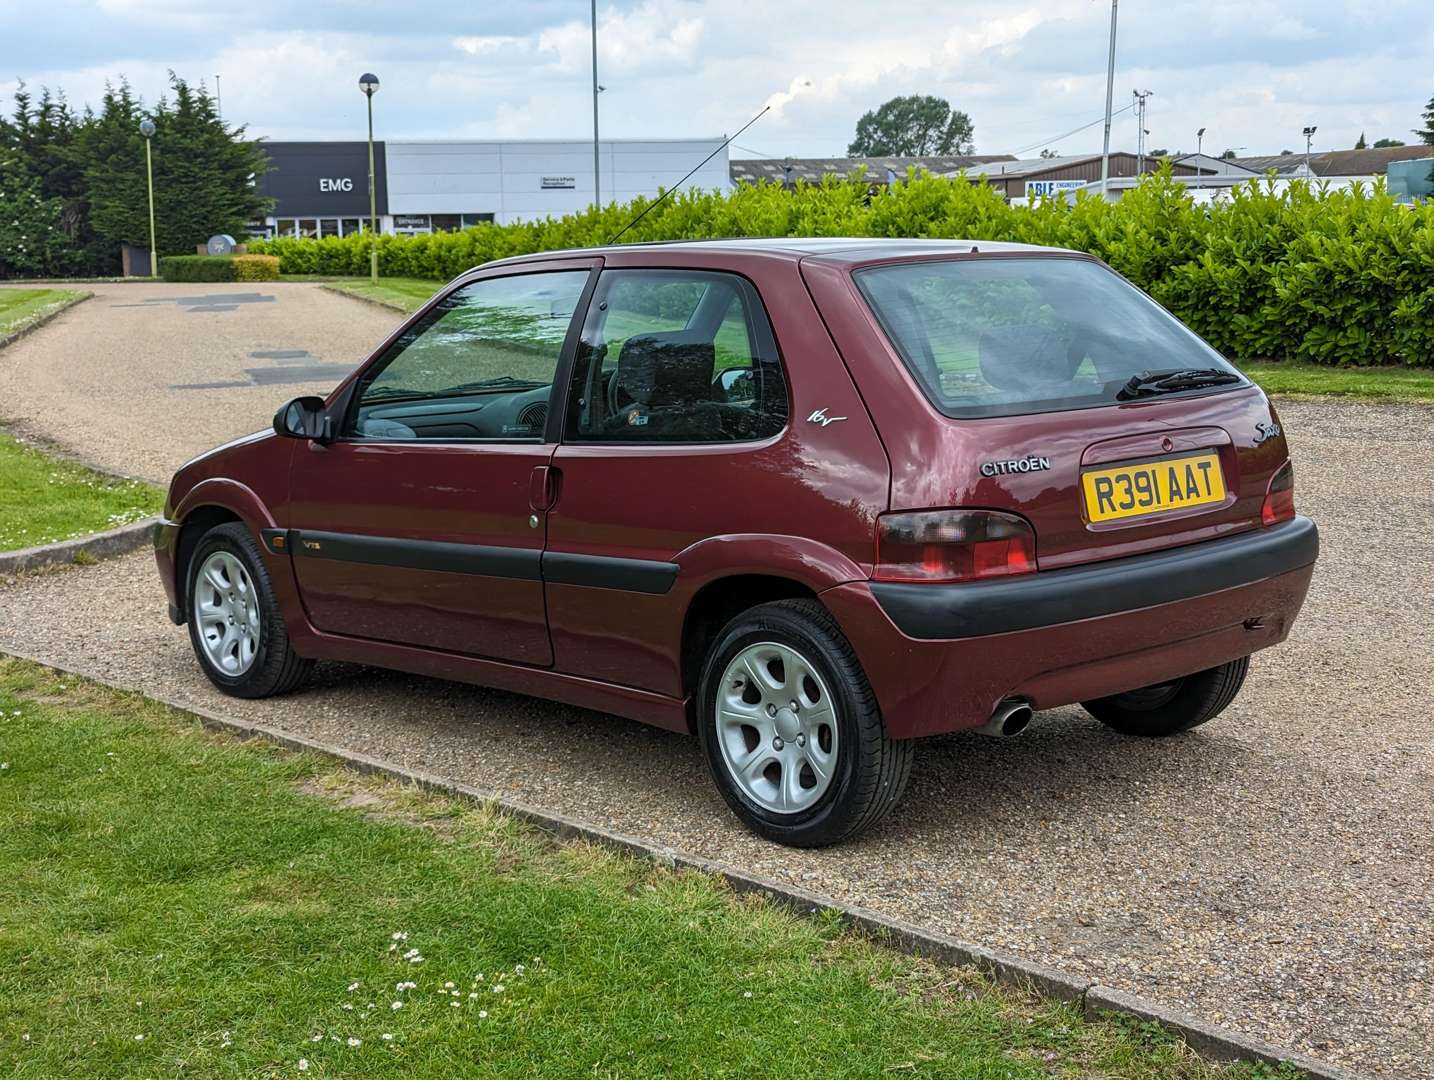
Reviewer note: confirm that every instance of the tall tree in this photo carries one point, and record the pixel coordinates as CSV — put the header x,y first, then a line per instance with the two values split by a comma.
x,y
913,126
1361,144
1426,133
204,171
32,244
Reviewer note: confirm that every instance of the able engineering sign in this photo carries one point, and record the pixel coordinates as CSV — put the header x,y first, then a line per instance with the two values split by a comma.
x,y
1051,188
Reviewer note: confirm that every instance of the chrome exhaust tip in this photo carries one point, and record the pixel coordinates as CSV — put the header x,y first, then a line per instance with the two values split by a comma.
x,y
1010,718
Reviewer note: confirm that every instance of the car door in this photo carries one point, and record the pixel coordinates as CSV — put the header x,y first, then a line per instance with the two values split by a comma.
x,y
422,522
677,431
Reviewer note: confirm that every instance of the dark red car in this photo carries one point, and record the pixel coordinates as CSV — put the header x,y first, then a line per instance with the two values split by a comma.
x,y
810,499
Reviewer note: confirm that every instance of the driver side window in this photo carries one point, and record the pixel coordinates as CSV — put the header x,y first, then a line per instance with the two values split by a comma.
x,y
480,365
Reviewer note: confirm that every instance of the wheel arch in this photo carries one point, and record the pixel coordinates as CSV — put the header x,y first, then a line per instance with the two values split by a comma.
x,y
210,503
716,604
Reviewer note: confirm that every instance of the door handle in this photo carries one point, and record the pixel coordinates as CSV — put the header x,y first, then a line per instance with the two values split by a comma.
x,y
543,487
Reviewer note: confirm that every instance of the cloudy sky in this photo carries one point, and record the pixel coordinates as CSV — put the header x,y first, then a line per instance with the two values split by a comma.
x,y
1252,72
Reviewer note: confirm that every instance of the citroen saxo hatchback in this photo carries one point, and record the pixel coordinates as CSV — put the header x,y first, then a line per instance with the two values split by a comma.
x,y
809,499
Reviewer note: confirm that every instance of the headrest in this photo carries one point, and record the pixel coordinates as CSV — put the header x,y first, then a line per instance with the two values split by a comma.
x,y
1026,358
666,369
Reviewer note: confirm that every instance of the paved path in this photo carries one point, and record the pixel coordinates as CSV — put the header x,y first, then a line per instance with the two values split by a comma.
x,y
143,376
1272,871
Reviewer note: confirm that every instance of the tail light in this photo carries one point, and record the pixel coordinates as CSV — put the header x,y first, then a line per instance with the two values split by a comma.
x,y
1280,496
953,545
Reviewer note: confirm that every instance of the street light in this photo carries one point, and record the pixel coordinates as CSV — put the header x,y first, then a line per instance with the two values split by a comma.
x,y
368,83
1309,137
1109,92
597,194
1199,141
146,128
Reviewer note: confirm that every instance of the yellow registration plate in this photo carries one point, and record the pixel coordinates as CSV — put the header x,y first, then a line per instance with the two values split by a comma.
x,y
1127,491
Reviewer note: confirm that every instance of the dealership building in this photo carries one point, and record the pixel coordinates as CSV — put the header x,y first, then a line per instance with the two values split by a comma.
x,y
435,185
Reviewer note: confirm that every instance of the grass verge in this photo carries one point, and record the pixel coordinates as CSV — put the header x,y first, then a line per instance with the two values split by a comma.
x,y
181,901
404,294
44,499
1373,383
20,308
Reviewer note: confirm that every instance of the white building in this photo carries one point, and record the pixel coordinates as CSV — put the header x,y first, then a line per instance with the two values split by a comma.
x,y
430,185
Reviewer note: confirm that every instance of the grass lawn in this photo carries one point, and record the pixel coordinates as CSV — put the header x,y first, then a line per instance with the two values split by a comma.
x,y
1378,383
177,901
21,306
405,294
44,499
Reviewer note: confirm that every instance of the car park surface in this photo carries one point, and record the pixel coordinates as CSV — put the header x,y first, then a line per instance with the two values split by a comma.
x,y
1269,871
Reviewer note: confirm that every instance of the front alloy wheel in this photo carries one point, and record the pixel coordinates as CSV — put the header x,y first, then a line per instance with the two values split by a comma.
x,y
791,729
235,624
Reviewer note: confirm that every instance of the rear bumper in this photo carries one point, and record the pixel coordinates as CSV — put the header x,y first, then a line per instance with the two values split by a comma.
x,y
940,657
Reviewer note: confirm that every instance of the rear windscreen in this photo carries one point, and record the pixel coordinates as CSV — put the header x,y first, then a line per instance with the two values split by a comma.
x,y
1009,336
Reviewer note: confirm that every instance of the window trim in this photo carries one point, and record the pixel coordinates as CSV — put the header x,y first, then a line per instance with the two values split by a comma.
x,y
350,395
558,413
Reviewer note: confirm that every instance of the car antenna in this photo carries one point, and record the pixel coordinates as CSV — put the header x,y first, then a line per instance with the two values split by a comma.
x,y
704,161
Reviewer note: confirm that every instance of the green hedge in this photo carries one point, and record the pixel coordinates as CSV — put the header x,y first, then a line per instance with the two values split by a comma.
x,y
1332,277
196,267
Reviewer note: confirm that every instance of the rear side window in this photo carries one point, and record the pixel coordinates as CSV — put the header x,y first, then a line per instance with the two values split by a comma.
x,y
1010,336
676,356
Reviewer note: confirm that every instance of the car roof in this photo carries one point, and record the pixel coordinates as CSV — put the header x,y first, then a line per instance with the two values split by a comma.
x,y
841,249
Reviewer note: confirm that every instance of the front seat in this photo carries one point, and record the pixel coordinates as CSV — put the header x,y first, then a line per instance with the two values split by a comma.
x,y
663,388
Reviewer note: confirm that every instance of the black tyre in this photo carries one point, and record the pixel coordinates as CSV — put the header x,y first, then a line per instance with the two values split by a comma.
x,y
235,625
791,728
1173,707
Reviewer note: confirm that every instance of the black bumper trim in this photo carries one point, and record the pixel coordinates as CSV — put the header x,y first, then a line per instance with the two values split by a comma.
x,y
1051,597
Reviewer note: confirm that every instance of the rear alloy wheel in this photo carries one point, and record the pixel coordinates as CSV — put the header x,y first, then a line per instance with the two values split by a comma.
x,y
235,624
1172,707
791,729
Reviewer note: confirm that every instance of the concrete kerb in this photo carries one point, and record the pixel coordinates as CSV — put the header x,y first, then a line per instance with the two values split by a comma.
x,y
372,301
1208,1040
103,545
29,326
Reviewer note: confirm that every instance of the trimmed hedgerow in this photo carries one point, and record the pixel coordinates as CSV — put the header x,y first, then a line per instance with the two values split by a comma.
x,y
196,267
1328,276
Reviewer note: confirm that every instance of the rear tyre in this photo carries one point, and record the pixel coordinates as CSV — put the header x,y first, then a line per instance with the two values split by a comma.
x,y
791,729
235,625
1172,707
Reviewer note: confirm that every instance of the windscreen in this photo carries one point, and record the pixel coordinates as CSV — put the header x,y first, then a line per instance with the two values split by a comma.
x,y
1009,336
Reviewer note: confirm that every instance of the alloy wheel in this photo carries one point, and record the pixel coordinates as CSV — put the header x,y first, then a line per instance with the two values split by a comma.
x,y
226,613
777,727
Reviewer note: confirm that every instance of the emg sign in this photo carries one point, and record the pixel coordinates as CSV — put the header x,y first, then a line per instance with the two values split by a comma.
x,y
335,183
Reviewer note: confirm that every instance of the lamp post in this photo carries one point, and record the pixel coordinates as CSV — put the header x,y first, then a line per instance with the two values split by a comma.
x,y
146,128
1309,138
1200,141
368,83
1109,100
597,195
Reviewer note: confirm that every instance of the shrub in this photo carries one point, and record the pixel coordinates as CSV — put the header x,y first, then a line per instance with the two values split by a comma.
x,y
1334,277
256,267
196,267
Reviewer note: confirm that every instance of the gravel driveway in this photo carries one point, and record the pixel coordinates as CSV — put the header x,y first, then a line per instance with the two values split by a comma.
x,y
144,375
1272,871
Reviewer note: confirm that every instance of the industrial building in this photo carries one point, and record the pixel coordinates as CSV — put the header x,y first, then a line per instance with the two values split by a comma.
x,y
434,185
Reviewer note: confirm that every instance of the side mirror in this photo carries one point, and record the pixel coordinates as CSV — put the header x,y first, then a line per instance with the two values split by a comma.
x,y
737,385
304,418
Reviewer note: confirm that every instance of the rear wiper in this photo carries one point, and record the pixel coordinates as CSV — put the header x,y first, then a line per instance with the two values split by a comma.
x,y
1166,382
